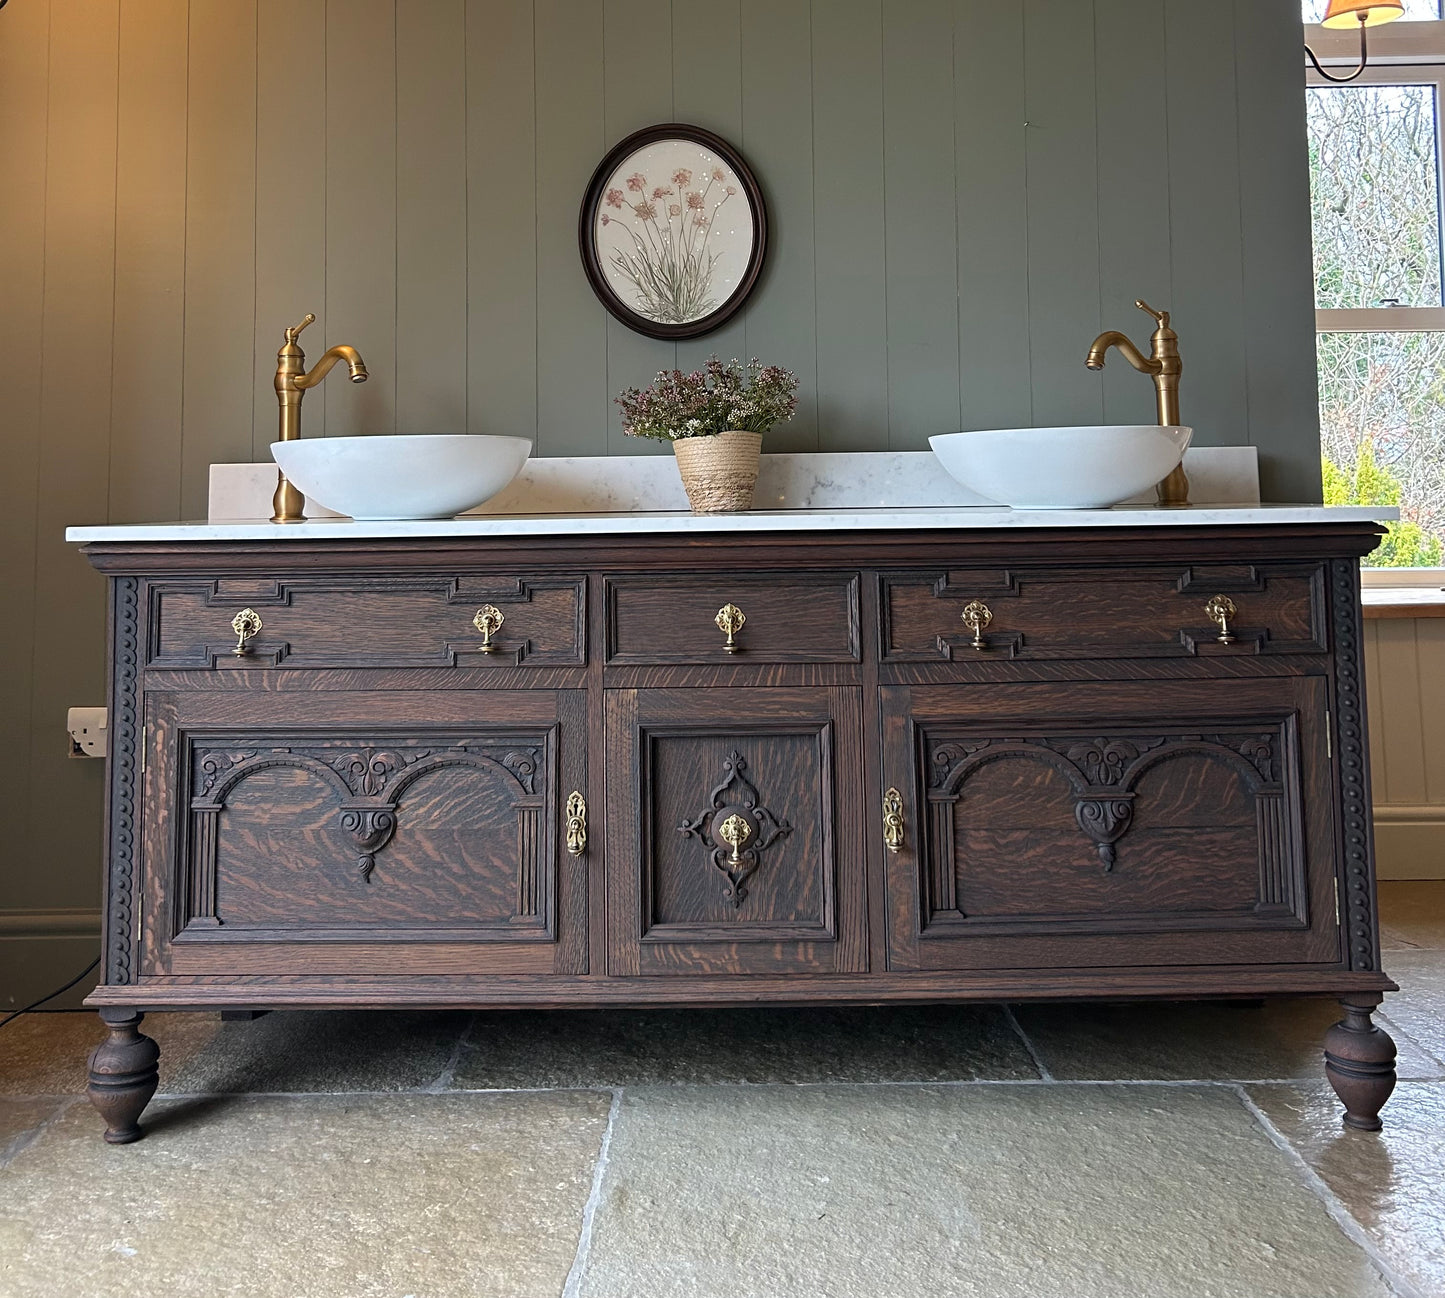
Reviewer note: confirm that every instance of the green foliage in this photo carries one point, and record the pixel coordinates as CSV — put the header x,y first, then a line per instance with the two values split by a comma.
x,y
1407,544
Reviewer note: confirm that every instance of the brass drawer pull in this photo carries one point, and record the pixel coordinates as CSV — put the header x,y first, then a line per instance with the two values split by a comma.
x,y
488,621
1221,609
893,821
730,619
735,831
976,617
576,823
245,624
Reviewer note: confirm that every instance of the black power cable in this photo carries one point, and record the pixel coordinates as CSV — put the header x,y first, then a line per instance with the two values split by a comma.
x,y
36,1004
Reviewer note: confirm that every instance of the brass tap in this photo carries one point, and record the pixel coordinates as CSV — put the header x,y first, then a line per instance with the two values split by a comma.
x,y
1164,365
292,380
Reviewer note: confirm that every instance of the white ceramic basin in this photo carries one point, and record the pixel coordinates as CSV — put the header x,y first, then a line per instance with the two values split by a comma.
x,y
419,476
1062,468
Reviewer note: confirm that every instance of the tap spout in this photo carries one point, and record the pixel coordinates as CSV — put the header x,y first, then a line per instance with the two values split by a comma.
x,y
1113,338
322,368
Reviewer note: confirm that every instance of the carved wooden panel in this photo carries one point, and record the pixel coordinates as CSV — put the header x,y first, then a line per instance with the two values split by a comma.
x,y
1092,612
790,618
403,621
359,822
1090,819
322,833
733,829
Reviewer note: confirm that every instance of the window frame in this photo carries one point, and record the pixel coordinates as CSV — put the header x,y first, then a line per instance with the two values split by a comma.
x,y
1401,53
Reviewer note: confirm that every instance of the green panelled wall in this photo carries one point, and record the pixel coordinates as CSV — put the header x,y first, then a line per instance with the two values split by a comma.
x,y
963,192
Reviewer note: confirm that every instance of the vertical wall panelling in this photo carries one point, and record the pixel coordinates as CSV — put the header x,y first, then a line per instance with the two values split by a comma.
x,y
1429,654
291,148
1371,645
1400,717
991,197
921,222
636,92
24,75
1134,252
1204,215
1278,274
75,330
360,212
571,325
220,247
502,219
431,216
150,216
851,326
707,91
777,59
1063,214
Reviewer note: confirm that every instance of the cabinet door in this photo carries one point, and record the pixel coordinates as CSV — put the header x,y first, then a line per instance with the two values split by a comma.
x,y
363,833
734,831
1125,824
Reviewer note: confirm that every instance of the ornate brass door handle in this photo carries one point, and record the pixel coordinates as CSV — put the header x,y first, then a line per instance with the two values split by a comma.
x,y
730,619
1221,609
893,821
245,624
576,823
976,617
488,621
735,831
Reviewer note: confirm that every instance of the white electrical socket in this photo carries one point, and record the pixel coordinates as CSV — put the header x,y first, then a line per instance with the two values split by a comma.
x,y
87,728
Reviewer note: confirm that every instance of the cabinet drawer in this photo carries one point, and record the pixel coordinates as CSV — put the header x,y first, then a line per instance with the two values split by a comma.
x,y
1153,611
789,618
404,621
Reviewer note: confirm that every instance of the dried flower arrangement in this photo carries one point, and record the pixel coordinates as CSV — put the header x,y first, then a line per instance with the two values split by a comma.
x,y
721,397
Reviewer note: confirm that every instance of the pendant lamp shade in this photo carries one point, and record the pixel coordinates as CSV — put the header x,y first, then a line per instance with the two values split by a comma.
x,y
1367,13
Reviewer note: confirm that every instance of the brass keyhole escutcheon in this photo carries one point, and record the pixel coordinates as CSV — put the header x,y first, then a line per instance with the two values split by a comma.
x,y
976,617
730,619
488,621
893,820
1220,609
735,831
245,624
576,824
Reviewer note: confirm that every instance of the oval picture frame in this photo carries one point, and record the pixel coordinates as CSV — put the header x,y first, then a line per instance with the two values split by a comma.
x,y
665,247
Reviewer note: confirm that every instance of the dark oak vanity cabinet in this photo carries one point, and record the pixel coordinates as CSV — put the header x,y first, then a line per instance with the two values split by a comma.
x,y
450,770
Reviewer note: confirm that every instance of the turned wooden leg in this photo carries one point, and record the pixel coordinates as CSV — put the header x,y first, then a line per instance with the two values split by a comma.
x,y
123,1075
1360,1062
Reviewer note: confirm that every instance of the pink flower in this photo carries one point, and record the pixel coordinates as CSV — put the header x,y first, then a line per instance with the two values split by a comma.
x,y
662,191
718,174
682,176
694,201
700,222
731,190
637,182
674,209
645,211
614,198
606,220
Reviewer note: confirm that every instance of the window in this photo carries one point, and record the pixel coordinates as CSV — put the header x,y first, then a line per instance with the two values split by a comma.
x,y
1376,165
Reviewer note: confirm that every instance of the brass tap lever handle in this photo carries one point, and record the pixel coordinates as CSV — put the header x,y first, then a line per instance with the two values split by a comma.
x,y
295,330
1161,318
893,821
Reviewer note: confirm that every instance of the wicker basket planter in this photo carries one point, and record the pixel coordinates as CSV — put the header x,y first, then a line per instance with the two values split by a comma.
x,y
719,473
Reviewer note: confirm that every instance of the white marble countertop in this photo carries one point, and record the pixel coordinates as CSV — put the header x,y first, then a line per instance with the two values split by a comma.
x,y
964,518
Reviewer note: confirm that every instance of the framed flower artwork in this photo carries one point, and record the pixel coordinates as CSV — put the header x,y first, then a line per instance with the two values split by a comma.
x,y
673,231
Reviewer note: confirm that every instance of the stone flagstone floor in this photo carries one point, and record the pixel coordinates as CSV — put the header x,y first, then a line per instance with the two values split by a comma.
x,y
1004,1152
